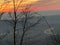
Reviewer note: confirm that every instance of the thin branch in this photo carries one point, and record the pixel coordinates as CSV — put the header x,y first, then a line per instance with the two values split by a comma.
x,y
37,22
21,41
51,30
1,14
19,4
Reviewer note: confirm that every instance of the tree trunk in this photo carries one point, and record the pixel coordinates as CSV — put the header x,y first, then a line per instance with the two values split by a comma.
x,y
21,41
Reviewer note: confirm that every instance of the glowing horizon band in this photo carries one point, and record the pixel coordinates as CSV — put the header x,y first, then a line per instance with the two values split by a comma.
x,y
7,5
35,5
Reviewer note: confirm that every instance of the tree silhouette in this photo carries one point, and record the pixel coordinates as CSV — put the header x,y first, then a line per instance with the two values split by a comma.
x,y
22,18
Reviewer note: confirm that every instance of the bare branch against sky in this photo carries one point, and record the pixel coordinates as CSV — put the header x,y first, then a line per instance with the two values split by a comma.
x,y
26,12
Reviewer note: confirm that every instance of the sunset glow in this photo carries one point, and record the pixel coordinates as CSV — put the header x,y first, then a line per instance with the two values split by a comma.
x,y
35,5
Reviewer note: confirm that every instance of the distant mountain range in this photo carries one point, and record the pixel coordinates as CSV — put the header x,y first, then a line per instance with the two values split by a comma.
x,y
35,36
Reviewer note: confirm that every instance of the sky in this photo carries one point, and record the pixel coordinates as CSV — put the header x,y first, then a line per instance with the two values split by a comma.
x,y
30,5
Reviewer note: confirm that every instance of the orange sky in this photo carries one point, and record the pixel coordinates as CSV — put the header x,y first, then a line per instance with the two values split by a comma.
x,y
7,5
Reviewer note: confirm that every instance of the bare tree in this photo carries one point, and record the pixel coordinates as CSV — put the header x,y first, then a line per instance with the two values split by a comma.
x,y
26,15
